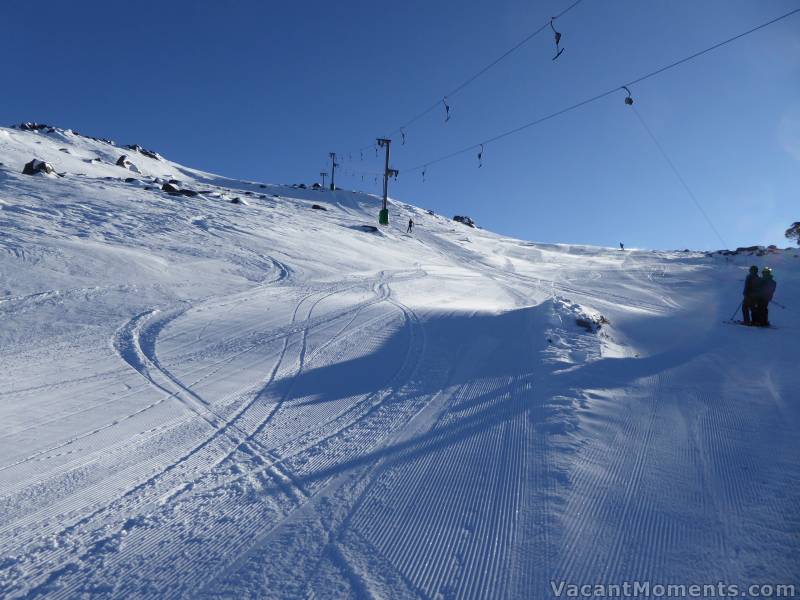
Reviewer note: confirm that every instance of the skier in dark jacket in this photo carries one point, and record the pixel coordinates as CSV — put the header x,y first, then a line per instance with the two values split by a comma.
x,y
410,226
751,286
765,292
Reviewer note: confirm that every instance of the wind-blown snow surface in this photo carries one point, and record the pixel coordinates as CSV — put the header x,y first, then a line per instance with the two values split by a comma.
x,y
212,400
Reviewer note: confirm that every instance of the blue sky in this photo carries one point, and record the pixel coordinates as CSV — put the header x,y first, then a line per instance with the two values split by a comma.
x,y
264,90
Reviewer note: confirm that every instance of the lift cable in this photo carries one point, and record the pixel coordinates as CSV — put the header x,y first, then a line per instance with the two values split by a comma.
x,y
597,97
469,80
679,176
500,58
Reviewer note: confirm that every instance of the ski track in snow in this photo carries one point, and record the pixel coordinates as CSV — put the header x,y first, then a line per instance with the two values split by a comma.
x,y
131,350
209,400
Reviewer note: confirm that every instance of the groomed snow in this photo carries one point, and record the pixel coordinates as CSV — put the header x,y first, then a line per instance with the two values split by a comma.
x,y
204,399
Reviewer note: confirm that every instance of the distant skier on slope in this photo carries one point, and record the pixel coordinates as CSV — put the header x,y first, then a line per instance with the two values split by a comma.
x,y
410,226
764,296
621,246
750,295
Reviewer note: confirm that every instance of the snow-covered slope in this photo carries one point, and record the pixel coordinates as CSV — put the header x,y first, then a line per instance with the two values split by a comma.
x,y
208,399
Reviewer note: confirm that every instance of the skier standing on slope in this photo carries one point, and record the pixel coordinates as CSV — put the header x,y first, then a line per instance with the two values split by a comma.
x,y
410,226
765,292
751,286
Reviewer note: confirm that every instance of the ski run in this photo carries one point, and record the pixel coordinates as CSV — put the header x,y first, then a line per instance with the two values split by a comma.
x,y
205,397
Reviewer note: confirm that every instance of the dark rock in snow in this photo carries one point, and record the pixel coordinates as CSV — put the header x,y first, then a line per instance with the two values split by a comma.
x,y
316,186
144,151
174,190
318,207
591,325
262,186
51,129
130,179
465,220
31,126
248,193
237,201
367,228
37,166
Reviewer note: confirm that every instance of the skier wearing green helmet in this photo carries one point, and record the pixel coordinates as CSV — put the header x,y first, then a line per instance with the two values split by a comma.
x,y
751,286
766,290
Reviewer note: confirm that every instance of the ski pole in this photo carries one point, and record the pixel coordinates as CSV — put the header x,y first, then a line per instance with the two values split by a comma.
x,y
736,311
779,304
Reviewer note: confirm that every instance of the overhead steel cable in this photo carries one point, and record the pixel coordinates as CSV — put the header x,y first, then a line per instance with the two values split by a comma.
x,y
680,177
472,78
475,76
512,131
597,97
